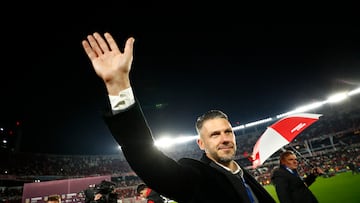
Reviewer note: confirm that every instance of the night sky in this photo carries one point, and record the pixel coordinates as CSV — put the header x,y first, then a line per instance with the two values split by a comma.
x,y
250,71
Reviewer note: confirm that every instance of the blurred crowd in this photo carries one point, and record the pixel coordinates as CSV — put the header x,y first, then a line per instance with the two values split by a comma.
x,y
332,143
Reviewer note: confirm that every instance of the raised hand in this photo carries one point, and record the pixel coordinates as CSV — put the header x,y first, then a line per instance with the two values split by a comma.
x,y
109,63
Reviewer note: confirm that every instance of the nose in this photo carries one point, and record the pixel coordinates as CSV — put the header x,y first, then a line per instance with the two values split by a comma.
x,y
227,137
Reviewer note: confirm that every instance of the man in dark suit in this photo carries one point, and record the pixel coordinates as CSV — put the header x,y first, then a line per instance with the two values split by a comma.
x,y
215,178
290,187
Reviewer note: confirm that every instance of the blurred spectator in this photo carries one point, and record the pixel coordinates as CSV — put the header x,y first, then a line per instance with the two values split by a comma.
x,y
149,194
54,199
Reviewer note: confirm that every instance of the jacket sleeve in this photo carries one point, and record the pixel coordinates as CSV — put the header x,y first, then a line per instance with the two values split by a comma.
x,y
161,173
310,179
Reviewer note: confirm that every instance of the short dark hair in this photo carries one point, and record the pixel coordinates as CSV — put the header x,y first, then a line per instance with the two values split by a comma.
x,y
285,154
54,198
140,188
207,116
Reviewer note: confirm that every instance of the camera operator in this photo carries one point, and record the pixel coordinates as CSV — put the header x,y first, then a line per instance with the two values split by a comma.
x,y
101,193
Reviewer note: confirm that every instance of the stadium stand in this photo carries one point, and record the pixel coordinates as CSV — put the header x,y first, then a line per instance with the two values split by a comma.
x,y
332,143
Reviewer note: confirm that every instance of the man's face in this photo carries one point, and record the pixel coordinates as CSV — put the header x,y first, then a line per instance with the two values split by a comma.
x,y
217,139
97,196
54,199
290,161
143,192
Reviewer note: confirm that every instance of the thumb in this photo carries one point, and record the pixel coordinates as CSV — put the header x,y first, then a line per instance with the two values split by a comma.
x,y
129,46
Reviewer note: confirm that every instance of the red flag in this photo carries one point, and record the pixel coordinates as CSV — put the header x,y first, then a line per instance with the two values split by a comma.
x,y
279,134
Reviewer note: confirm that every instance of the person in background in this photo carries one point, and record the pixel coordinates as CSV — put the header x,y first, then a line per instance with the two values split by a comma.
x,y
53,199
215,178
103,192
353,167
289,186
149,194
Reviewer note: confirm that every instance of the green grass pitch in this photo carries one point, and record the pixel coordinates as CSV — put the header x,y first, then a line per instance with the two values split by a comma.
x,y
343,187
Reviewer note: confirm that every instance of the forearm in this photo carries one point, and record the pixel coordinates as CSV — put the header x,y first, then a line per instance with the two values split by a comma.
x,y
118,85
133,134
130,127
310,179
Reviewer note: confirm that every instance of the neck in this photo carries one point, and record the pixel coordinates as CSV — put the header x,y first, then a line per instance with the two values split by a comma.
x,y
230,165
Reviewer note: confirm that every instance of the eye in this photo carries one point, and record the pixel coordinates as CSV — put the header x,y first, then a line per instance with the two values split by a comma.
x,y
229,131
214,134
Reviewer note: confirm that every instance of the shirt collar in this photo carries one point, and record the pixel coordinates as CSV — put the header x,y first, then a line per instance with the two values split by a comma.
x,y
238,169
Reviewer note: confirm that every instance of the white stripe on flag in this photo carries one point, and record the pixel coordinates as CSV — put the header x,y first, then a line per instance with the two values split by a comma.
x,y
270,142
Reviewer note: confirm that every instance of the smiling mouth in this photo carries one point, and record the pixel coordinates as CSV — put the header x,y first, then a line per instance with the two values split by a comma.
x,y
226,148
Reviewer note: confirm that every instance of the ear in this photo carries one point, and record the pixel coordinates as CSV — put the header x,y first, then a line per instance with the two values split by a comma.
x,y
200,144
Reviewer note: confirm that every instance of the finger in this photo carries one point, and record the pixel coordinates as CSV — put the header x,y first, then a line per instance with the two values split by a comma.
x,y
129,47
88,50
94,43
101,42
110,40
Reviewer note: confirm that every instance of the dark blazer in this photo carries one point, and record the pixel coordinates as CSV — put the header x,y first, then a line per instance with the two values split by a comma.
x,y
291,188
186,180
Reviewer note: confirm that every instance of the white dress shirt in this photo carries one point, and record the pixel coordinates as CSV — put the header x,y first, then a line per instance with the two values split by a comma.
x,y
122,101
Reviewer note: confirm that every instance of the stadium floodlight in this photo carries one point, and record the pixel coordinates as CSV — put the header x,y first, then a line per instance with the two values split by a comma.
x,y
353,92
238,127
258,122
169,141
308,107
337,97
302,109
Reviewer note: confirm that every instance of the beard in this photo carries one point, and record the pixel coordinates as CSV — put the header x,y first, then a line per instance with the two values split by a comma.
x,y
226,159
222,158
